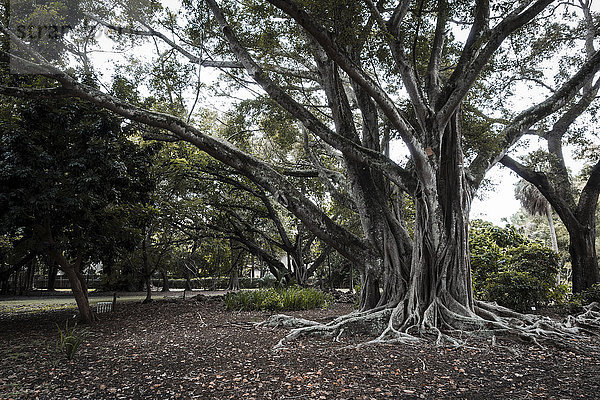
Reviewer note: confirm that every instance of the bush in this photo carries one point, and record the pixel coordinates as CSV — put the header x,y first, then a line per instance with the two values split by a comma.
x,y
271,302
514,289
512,270
277,300
488,245
589,296
540,261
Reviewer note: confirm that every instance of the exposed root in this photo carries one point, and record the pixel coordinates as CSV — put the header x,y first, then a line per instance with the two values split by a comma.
x,y
447,322
285,321
355,323
589,320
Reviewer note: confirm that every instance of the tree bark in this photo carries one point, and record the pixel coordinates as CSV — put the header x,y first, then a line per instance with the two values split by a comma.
x,y
584,260
79,290
52,271
441,286
369,292
73,272
234,279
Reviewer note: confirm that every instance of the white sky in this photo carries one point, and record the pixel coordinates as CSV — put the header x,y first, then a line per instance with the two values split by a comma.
x,y
499,204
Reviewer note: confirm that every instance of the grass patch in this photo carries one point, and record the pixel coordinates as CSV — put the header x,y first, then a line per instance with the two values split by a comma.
x,y
42,304
290,299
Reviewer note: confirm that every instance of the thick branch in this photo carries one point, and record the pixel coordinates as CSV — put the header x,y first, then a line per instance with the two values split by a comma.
x,y
360,77
257,171
393,35
521,124
394,172
326,176
49,93
474,60
588,201
540,181
433,68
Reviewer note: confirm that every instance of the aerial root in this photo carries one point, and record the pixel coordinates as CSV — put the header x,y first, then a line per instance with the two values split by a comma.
x,y
448,323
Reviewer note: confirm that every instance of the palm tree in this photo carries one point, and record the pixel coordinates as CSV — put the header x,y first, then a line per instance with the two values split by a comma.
x,y
535,203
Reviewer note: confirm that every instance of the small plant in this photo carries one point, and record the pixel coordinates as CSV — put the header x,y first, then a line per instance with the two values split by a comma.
x,y
586,297
70,340
272,302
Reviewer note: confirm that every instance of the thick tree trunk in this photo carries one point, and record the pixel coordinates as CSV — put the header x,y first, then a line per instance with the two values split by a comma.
x,y
165,281
79,289
584,260
234,279
52,271
441,288
369,291
396,267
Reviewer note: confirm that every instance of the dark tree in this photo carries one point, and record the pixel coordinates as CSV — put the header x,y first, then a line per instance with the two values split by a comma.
x,y
69,175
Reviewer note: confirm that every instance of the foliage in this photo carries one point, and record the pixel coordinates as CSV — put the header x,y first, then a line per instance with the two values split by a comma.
x,y
70,339
536,259
487,244
289,299
514,289
512,270
69,170
589,296
339,73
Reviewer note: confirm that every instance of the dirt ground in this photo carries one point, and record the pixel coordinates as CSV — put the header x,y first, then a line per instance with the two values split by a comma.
x,y
176,349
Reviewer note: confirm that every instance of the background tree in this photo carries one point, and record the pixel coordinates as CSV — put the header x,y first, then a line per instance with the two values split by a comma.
x,y
68,174
576,209
536,204
512,269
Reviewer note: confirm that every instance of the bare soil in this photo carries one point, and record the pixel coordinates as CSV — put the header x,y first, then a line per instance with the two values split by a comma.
x,y
189,349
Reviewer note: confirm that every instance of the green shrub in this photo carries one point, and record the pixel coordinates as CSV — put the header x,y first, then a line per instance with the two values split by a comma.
x,y
540,261
488,245
290,299
590,295
272,302
512,270
514,289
